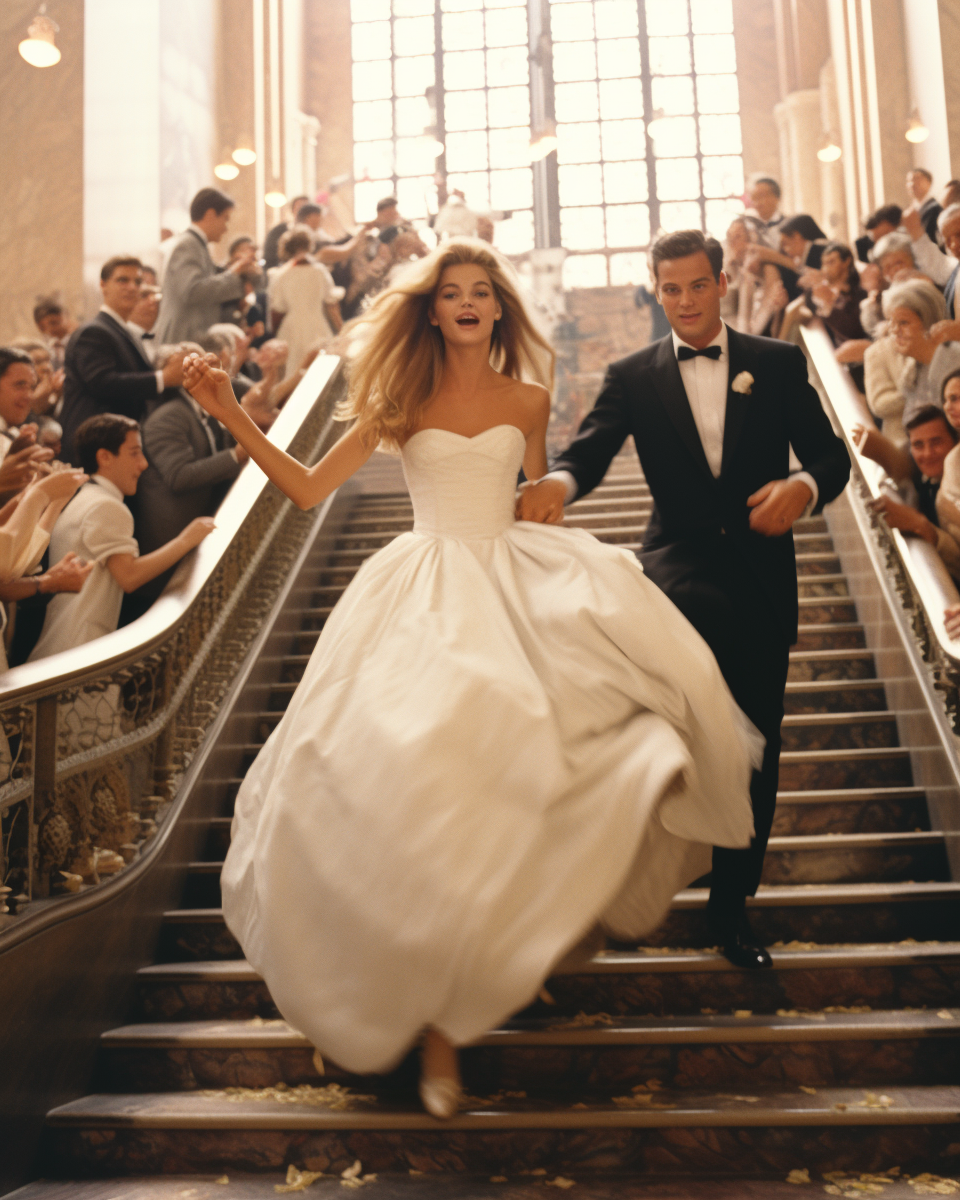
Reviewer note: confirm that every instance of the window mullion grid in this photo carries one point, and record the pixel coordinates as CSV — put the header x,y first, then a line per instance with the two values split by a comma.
x,y
439,102
646,84
696,118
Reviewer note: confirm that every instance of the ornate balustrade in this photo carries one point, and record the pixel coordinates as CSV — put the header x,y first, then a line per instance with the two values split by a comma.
x,y
94,741
913,567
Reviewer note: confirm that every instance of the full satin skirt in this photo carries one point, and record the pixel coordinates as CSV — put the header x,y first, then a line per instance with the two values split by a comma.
x,y
496,744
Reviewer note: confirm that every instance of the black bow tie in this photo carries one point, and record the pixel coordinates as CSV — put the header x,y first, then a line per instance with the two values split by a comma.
x,y
685,352
145,336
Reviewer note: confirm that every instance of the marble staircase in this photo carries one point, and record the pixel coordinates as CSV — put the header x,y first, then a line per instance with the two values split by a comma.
x,y
647,1063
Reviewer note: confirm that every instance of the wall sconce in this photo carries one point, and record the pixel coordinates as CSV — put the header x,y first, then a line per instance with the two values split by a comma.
x,y
38,48
275,198
829,149
244,155
225,169
916,130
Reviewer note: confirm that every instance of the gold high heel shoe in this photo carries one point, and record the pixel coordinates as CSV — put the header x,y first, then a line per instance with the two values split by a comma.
x,y
440,1097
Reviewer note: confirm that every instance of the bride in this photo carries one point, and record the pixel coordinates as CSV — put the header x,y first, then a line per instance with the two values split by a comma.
x,y
505,735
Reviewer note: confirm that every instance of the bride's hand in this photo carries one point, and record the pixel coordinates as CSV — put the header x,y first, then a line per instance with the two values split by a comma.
x,y
209,384
541,502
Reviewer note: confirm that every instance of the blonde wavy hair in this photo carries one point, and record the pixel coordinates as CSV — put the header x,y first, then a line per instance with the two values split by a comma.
x,y
395,358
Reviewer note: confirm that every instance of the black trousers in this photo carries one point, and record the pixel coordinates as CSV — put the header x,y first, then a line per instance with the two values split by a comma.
x,y
752,651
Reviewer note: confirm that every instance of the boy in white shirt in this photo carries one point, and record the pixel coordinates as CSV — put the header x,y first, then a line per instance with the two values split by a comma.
x,y
98,526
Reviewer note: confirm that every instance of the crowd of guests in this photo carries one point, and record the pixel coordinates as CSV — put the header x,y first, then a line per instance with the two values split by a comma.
x,y
110,472
888,304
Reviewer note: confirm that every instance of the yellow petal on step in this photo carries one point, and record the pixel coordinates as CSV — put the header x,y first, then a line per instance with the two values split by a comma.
x,y
946,1015
708,1012
799,1175
498,1179
832,1190
352,1172
809,1091
743,1012
560,1182
224,1179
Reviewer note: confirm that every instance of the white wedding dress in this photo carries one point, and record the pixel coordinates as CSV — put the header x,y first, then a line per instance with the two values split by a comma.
x,y
505,734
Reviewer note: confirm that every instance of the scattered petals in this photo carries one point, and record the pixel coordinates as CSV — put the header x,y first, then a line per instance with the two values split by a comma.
x,y
352,1172
585,1021
800,1175
297,1181
872,1100
743,1012
224,1179
946,1015
742,1099
560,1182
810,1091
334,1096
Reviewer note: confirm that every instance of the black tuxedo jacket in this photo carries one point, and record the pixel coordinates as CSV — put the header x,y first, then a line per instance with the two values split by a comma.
x,y
694,514
105,371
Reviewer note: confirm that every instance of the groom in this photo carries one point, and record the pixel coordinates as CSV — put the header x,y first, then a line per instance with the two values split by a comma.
x,y
713,414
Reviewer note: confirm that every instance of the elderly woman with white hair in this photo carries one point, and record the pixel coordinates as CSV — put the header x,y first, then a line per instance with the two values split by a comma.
x,y
942,267
912,309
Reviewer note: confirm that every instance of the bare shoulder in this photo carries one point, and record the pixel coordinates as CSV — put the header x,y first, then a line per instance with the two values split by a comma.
x,y
533,399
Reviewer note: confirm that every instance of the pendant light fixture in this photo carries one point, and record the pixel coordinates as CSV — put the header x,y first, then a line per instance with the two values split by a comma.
x,y
39,48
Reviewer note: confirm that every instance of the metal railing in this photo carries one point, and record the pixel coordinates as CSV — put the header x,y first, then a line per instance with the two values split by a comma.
x,y
922,583
94,741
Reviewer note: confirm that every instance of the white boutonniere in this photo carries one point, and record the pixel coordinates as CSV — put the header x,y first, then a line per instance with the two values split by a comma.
x,y
743,383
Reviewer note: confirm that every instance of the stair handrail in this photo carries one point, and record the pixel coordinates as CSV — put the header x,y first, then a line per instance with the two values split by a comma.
x,y
94,740
930,584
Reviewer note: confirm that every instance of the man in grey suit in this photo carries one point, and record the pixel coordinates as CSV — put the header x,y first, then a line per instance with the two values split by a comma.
x,y
193,461
193,288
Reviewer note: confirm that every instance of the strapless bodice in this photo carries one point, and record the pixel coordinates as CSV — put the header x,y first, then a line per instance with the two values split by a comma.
x,y
463,487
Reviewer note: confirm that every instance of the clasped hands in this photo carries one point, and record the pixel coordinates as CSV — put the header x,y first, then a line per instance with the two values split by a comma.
x,y
774,507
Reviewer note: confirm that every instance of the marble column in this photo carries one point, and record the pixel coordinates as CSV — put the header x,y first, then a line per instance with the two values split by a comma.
x,y
833,203
235,109
754,34
121,135
41,185
798,125
328,95
925,71
950,47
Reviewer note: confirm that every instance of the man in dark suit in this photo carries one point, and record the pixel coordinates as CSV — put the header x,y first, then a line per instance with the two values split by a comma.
x,y
713,414
193,461
920,188
105,368
878,224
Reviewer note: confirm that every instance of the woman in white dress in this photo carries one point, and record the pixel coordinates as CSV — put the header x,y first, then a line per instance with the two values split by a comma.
x,y
303,299
505,734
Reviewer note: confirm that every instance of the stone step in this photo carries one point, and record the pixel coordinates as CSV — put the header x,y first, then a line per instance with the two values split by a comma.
x,y
656,982
834,695
552,1058
819,610
863,810
835,731
843,635
830,858
818,563
822,585
440,1184
809,665
768,1130
842,912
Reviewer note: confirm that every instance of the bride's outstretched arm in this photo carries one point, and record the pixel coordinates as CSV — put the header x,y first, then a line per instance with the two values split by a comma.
x,y
306,486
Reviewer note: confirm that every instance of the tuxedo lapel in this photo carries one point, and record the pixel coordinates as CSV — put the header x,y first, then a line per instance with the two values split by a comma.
x,y
668,384
737,402
115,326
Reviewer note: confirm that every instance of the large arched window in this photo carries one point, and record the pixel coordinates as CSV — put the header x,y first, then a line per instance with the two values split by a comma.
x,y
646,104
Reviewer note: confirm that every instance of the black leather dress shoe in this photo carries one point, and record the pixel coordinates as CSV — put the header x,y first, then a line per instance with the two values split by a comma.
x,y
738,942
742,954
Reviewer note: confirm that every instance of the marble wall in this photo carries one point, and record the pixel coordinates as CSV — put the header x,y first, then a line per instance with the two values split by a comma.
x,y
757,74
327,92
41,184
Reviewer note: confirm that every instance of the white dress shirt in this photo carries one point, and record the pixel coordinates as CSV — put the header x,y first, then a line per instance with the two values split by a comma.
x,y
137,331
124,325
769,231
96,524
705,381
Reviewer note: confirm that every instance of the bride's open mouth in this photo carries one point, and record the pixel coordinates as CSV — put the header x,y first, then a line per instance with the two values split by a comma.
x,y
468,320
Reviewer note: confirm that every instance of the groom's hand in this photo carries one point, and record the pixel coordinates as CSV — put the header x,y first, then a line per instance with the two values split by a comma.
x,y
542,502
777,505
